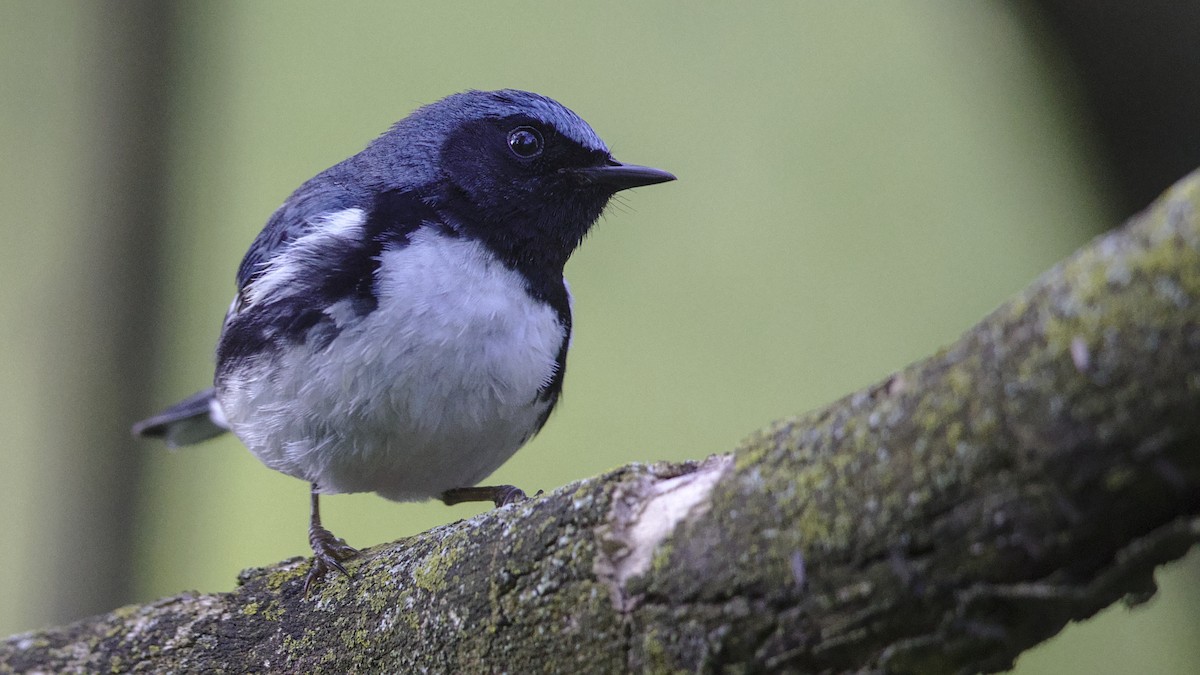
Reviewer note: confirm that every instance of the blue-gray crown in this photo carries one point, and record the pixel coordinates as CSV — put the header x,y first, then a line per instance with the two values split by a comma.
x,y
409,147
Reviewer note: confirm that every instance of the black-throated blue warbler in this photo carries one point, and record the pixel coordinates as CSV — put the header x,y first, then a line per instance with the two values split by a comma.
x,y
401,324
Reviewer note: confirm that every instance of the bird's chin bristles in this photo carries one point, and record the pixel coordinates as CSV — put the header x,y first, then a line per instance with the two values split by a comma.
x,y
619,203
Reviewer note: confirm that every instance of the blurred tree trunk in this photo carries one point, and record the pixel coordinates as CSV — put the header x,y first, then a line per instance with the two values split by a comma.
x,y
944,520
103,310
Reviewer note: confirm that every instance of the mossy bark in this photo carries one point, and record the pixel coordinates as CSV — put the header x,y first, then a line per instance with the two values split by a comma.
x,y
941,521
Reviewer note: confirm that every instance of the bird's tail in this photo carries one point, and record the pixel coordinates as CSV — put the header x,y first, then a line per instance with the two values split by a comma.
x,y
196,418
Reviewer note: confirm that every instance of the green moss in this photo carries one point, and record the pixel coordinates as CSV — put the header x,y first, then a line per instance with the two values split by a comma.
x,y
356,638
378,602
277,577
292,647
656,658
430,574
274,611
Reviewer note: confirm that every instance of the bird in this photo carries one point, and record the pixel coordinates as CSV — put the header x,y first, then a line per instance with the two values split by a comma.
x,y
401,323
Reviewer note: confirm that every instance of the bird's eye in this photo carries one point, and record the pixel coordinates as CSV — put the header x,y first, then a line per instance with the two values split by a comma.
x,y
525,142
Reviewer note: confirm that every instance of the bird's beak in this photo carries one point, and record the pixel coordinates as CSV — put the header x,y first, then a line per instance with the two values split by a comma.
x,y
620,176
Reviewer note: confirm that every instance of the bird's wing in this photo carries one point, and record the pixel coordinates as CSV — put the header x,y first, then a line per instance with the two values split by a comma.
x,y
325,243
306,208
316,276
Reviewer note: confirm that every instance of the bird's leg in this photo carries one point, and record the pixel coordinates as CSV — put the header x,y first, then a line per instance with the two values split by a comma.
x,y
328,550
500,495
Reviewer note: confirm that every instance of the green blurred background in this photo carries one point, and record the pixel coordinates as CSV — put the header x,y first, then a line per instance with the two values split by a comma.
x,y
859,183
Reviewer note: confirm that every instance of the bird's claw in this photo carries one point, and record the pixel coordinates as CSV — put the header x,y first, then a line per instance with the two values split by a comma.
x,y
508,494
328,553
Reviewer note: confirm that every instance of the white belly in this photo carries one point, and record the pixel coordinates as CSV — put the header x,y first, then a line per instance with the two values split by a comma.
x,y
433,390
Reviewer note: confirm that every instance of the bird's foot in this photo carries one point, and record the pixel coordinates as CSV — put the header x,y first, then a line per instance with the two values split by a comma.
x,y
328,553
500,495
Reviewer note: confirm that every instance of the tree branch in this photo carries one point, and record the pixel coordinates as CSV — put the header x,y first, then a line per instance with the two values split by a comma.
x,y
941,521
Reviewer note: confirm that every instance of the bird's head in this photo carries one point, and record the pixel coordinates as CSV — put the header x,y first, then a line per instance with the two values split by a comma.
x,y
516,169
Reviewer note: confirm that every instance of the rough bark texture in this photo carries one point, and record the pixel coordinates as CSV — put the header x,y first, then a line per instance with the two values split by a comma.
x,y
942,521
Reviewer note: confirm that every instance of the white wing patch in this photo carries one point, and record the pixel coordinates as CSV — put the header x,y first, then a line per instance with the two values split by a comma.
x,y
329,229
